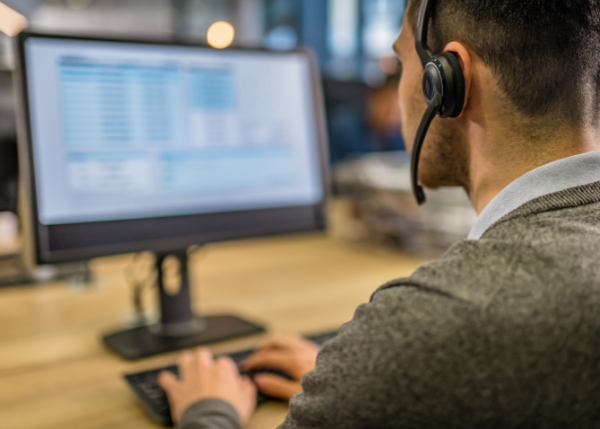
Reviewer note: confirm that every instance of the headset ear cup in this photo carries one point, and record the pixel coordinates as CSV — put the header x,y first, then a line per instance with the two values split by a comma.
x,y
459,83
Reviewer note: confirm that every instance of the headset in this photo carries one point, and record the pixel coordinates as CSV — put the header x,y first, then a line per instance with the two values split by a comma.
x,y
443,88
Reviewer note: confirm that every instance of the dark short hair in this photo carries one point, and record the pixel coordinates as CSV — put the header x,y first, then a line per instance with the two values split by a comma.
x,y
544,53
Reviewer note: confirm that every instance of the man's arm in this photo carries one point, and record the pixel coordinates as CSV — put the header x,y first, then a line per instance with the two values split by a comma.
x,y
411,356
394,365
211,413
399,363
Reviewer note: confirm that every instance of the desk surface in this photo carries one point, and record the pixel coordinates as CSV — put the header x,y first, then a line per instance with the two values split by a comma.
x,y
55,373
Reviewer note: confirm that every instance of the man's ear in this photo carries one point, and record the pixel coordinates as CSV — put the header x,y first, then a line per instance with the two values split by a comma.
x,y
464,59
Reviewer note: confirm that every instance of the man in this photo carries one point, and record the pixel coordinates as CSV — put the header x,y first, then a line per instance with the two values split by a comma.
x,y
504,331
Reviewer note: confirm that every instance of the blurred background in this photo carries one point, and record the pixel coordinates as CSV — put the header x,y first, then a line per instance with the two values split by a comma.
x,y
352,40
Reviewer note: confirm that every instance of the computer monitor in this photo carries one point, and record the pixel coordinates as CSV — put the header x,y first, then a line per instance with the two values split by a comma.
x,y
9,170
130,146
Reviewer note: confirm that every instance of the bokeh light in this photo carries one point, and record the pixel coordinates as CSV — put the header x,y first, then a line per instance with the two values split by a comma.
x,y
220,35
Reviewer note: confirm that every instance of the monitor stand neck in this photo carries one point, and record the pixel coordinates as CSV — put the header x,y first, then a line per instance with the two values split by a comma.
x,y
179,326
177,318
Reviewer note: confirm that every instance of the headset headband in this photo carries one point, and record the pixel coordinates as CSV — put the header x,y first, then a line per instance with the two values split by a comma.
x,y
434,105
443,88
422,31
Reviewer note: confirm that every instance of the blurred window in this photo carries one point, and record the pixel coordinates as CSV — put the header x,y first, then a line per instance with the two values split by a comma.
x,y
343,39
343,28
382,23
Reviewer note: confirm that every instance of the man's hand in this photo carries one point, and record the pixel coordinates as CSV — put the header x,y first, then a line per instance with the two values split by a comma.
x,y
202,377
290,354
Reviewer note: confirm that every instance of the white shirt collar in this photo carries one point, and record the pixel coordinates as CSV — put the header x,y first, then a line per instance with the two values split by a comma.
x,y
557,176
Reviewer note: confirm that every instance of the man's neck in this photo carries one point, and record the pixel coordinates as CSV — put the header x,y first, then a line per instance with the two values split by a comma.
x,y
496,162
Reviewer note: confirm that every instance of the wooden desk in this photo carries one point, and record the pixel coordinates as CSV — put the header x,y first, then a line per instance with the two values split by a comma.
x,y
55,373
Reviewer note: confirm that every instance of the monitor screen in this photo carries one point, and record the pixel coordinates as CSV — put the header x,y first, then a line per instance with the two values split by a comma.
x,y
124,131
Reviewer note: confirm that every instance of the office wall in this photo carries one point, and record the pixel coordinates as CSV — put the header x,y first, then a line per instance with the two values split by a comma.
x,y
151,18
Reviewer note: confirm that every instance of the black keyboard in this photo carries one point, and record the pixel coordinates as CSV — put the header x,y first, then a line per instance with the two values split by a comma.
x,y
154,399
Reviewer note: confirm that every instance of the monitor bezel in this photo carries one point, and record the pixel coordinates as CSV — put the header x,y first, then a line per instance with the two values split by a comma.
x,y
301,218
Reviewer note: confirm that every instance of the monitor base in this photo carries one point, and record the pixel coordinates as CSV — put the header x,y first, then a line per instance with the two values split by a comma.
x,y
143,342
